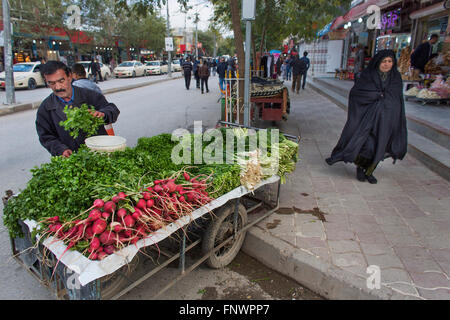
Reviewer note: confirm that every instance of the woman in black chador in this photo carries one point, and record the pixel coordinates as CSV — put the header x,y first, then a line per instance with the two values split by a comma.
x,y
376,122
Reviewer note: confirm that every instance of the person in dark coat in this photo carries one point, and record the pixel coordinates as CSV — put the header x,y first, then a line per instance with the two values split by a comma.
x,y
298,67
376,122
422,53
195,69
221,70
92,69
50,113
187,72
203,72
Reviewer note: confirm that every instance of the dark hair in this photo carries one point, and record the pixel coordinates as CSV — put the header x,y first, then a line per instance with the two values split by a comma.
x,y
305,53
52,66
434,35
79,70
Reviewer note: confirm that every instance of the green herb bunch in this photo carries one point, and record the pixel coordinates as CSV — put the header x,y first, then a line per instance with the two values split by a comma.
x,y
81,119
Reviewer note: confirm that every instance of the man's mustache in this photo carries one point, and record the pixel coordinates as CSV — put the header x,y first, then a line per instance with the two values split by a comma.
x,y
60,90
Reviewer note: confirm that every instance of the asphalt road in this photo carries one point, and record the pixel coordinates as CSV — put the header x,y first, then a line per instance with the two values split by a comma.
x,y
147,111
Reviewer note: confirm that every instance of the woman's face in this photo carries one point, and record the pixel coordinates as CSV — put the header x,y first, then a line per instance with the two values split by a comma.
x,y
386,64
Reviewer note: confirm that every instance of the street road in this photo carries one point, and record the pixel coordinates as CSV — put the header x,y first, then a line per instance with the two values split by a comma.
x,y
146,111
38,94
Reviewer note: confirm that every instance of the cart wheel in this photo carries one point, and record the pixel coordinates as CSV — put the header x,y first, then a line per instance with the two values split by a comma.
x,y
113,283
220,229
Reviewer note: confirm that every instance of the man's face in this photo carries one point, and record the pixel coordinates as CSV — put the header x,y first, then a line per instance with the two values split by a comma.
x,y
433,40
60,83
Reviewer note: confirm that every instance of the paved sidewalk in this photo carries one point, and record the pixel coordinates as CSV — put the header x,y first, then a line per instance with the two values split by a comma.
x,y
401,224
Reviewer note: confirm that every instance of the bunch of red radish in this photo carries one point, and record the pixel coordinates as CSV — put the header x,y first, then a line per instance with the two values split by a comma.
x,y
127,218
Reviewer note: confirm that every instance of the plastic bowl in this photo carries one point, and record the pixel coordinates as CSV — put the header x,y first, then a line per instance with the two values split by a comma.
x,y
105,143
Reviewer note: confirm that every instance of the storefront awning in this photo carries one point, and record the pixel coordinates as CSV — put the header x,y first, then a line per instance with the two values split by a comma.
x,y
435,8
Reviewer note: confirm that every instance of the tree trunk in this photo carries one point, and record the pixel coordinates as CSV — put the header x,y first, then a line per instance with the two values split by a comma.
x,y
238,40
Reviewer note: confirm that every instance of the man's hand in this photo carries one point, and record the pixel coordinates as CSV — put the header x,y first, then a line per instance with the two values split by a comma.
x,y
97,114
67,153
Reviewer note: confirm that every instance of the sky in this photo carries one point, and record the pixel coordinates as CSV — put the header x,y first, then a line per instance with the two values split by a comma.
x,y
177,18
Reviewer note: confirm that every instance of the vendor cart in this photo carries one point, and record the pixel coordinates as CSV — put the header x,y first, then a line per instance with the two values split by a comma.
x,y
216,229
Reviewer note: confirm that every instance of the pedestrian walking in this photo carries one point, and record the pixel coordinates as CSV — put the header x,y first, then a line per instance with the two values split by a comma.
x,y
92,69
196,76
376,122
305,68
221,70
283,70
203,72
298,66
187,72
99,70
288,69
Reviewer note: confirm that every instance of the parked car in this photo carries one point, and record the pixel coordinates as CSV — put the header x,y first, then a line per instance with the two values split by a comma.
x,y
26,75
176,65
129,69
156,67
104,70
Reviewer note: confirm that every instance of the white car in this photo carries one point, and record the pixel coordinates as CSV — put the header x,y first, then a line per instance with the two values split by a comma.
x,y
104,70
156,67
129,69
176,65
26,75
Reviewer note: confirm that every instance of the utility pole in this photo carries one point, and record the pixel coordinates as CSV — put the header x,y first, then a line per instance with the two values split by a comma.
x,y
168,35
196,34
9,74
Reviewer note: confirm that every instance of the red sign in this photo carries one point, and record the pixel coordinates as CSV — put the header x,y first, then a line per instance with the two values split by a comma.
x,y
182,47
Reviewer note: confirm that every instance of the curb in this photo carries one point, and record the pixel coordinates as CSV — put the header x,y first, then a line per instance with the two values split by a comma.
x,y
316,274
34,105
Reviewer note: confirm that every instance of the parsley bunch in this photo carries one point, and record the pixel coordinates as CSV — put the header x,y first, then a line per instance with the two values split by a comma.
x,y
81,119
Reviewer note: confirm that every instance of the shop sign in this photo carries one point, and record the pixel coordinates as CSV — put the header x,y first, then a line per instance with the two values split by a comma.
x,y
390,20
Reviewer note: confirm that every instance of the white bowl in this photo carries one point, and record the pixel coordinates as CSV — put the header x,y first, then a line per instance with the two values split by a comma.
x,y
105,143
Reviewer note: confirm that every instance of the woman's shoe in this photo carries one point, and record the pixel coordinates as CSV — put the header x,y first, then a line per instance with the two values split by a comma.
x,y
360,175
371,179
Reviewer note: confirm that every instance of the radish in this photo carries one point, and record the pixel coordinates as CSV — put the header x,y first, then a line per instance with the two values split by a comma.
x,y
102,255
110,207
128,233
105,215
99,226
115,199
186,176
89,233
150,203
98,203
150,189
116,226
129,221
140,230
95,244
171,186
109,249
182,199
108,237
137,213
158,189
93,256
157,181
146,195
95,214
142,204
52,219
122,195
121,213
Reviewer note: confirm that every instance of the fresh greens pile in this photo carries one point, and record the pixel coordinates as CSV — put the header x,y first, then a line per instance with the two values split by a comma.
x,y
81,119
65,187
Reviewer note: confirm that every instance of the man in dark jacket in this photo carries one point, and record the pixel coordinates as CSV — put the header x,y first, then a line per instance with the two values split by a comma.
x,y
92,69
298,67
221,70
187,72
304,67
51,135
195,70
421,55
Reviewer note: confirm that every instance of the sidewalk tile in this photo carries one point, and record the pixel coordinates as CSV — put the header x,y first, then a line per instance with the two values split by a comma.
x,y
343,246
372,237
375,249
348,259
385,261
419,266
